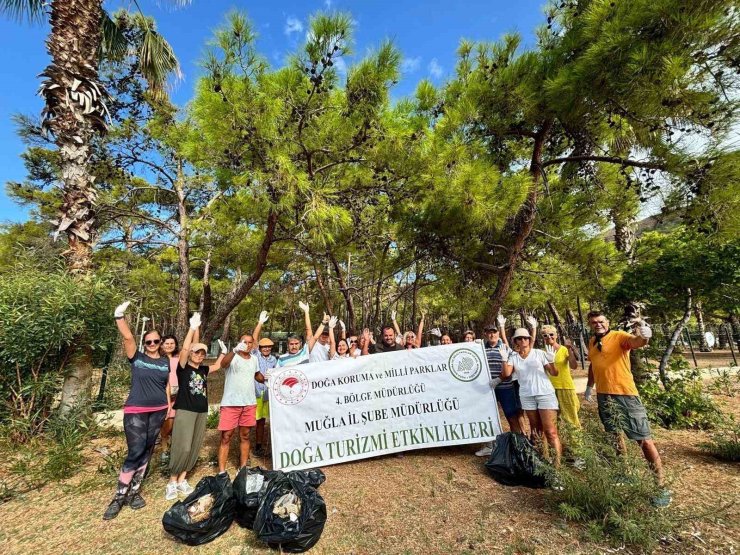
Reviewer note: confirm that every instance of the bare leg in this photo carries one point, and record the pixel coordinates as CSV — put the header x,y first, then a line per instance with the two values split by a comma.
x,y
244,445
166,432
516,423
548,421
223,449
535,426
653,458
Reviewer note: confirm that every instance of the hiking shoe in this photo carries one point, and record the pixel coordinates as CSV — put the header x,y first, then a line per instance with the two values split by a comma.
x,y
170,493
484,452
119,500
663,499
184,488
135,500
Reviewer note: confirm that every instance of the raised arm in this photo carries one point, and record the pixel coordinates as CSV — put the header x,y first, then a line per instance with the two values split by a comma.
x,y
502,329
216,366
395,324
322,325
129,342
344,329
332,341
532,321
365,341
258,328
310,340
572,360
550,368
420,330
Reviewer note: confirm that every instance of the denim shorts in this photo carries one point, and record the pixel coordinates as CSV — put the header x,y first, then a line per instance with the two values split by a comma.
x,y
508,398
624,413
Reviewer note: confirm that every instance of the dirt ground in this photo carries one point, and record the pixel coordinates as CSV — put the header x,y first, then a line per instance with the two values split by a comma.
x,y
434,501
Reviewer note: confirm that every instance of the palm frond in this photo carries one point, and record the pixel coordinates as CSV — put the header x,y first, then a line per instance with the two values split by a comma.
x,y
157,60
113,44
30,10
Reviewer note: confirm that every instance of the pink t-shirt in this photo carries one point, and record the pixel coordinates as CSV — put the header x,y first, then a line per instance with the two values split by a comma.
x,y
174,361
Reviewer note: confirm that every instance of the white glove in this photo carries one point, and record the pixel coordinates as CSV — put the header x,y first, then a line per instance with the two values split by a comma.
x,y
532,321
494,382
195,321
241,347
435,332
121,309
341,325
549,354
304,306
589,395
393,315
501,321
643,330
325,319
263,317
332,322
221,344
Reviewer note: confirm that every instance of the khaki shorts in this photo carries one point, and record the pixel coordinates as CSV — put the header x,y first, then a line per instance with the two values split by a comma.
x,y
624,413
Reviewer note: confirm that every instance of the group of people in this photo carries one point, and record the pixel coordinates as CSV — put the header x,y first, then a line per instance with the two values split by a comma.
x,y
169,388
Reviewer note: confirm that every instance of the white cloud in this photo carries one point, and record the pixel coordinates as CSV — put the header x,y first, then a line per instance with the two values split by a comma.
x,y
327,3
435,70
293,25
410,65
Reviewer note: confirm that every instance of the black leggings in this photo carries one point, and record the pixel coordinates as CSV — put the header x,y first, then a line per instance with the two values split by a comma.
x,y
141,431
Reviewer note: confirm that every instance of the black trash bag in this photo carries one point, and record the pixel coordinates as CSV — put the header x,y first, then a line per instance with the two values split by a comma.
x,y
516,462
249,487
281,532
313,477
197,530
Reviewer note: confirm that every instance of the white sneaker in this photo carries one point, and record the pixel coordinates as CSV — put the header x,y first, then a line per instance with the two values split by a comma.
x,y
170,494
484,451
184,488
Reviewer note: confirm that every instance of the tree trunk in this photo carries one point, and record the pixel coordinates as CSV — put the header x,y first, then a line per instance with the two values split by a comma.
x,y
345,292
205,305
183,261
376,316
674,339
522,226
78,372
698,312
322,289
735,325
558,321
242,287
624,235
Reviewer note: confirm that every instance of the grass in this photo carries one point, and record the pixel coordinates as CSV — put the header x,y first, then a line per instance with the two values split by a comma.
x,y
434,501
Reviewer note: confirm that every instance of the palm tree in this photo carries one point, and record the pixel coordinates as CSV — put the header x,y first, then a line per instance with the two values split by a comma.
x,y
82,34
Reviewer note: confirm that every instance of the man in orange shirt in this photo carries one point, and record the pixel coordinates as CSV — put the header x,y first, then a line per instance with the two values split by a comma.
x,y
620,407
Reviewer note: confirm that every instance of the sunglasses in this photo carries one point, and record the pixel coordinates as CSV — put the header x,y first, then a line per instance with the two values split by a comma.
x,y
548,335
353,340
521,338
152,342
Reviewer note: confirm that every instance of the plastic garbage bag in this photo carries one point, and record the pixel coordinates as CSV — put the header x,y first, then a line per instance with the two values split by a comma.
x,y
516,462
249,485
291,515
203,515
313,477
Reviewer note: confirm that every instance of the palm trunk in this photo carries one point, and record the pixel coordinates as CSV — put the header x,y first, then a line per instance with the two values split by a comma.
x,y
78,373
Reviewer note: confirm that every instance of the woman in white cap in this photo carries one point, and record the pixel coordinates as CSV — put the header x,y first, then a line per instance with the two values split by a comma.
x,y
536,392
192,410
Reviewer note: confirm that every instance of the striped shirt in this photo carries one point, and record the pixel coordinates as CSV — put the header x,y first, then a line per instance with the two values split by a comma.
x,y
496,362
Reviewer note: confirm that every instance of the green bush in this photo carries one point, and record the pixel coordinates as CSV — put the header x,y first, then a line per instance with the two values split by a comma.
x,y
724,443
45,317
682,403
610,493
212,421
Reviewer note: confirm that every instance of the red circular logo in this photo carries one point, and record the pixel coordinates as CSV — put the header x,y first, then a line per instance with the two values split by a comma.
x,y
289,387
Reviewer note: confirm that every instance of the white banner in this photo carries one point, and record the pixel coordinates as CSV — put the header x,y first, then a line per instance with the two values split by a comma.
x,y
342,410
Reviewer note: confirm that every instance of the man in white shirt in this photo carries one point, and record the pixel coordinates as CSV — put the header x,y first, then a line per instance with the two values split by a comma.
x,y
239,401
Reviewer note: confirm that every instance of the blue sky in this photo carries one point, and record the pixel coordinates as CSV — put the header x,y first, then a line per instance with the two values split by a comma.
x,y
427,33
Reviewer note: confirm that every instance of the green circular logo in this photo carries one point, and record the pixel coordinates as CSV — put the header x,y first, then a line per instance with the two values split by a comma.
x,y
465,365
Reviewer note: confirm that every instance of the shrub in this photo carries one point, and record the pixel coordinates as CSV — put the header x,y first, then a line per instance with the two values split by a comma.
x,y
726,383
45,317
724,443
212,421
682,403
610,493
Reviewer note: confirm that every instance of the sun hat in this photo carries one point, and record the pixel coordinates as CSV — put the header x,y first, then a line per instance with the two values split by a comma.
x,y
521,332
265,342
199,347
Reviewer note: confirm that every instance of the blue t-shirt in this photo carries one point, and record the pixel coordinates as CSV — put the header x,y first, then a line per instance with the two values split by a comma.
x,y
265,364
149,378
301,357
